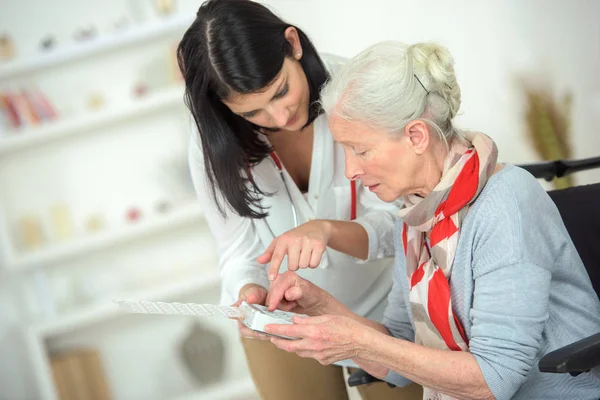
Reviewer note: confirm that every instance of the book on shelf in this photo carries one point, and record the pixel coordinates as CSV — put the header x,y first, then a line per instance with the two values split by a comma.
x,y
24,108
78,375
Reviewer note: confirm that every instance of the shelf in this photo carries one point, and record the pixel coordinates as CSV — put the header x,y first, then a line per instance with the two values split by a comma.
x,y
102,240
51,131
232,389
106,310
102,43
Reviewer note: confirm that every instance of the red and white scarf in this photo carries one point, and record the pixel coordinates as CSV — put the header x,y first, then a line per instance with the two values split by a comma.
x,y
440,215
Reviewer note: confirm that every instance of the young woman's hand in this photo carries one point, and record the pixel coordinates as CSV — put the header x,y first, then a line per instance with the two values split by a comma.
x,y
304,246
289,292
251,294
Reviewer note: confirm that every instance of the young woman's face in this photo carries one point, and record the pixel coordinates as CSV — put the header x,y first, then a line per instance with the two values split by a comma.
x,y
281,105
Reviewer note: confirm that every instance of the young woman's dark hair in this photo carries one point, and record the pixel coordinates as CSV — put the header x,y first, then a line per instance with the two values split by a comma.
x,y
237,46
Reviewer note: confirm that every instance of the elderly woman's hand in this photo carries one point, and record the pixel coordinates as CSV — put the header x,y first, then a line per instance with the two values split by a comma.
x,y
289,292
326,338
304,247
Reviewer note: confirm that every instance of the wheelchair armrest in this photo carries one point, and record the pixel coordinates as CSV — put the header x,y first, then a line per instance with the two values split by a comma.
x,y
574,358
361,377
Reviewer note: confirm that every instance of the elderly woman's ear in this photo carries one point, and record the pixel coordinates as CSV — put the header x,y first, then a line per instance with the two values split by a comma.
x,y
417,133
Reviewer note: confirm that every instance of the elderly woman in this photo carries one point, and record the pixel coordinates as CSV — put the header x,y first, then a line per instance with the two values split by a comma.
x,y
487,280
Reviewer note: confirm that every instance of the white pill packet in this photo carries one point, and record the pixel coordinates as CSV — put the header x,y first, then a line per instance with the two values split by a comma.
x,y
254,316
258,316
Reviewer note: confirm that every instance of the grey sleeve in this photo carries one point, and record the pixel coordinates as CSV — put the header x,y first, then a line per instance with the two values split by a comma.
x,y
511,274
510,308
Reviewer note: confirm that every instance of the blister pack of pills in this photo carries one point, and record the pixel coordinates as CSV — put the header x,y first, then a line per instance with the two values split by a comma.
x,y
190,309
254,316
258,316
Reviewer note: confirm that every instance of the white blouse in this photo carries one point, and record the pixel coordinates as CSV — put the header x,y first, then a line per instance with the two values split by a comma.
x,y
362,286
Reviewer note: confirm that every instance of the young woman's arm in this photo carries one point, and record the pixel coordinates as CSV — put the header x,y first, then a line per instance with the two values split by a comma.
x,y
369,237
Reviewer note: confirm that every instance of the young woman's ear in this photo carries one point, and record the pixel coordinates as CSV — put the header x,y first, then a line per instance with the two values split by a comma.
x,y
417,132
291,35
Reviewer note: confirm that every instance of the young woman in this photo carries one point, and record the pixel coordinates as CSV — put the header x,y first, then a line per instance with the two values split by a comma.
x,y
264,162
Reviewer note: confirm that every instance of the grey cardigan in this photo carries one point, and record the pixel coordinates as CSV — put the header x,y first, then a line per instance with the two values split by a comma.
x,y
519,289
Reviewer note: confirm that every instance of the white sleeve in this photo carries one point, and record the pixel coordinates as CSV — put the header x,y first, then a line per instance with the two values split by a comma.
x,y
238,244
377,217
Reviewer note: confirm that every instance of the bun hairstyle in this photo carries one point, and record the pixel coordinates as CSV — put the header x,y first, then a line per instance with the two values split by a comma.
x,y
390,84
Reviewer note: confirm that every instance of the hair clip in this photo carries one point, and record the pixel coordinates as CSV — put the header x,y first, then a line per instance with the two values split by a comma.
x,y
423,86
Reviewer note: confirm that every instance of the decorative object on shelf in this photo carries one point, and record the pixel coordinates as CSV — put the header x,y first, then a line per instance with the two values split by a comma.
x,y
40,104
48,42
164,7
85,33
78,374
60,218
95,101
94,223
140,90
163,207
548,125
7,47
30,232
26,108
203,353
9,111
134,214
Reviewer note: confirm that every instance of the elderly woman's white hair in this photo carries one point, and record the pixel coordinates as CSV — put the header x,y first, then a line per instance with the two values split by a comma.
x,y
390,84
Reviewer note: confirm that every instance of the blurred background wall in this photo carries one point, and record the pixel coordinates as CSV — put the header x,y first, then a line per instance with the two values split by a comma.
x,y
95,197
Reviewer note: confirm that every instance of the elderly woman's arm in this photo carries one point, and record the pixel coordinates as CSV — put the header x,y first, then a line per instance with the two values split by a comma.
x,y
331,338
336,333
453,373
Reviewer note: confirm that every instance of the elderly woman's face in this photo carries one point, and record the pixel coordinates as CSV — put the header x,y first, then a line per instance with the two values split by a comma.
x,y
386,165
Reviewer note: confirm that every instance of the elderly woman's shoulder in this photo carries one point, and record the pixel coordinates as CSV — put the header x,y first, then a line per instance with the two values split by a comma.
x,y
517,177
511,215
514,188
